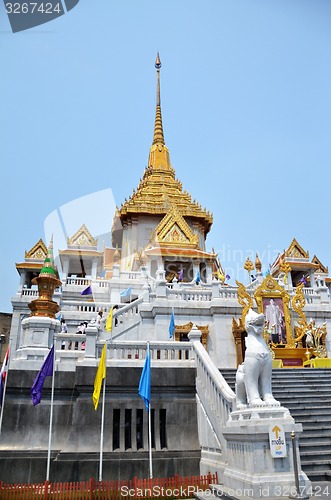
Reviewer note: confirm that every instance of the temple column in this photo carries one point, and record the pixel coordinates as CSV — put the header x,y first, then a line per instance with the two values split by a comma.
x,y
94,269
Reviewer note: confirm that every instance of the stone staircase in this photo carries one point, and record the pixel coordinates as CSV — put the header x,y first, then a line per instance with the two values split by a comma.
x,y
306,393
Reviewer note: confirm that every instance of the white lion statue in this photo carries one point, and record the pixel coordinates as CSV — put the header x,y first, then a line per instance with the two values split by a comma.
x,y
253,378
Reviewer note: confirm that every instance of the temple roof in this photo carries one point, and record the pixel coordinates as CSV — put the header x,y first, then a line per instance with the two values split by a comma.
x,y
34,258
158,189
298,259
37,252
321,268
82,238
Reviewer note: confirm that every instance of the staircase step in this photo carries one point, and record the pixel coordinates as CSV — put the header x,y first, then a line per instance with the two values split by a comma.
x,y
307,394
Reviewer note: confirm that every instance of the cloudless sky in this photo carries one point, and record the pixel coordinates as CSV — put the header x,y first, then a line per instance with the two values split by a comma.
x,y
246,104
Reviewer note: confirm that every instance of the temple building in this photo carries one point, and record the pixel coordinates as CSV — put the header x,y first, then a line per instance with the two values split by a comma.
x,y
157,268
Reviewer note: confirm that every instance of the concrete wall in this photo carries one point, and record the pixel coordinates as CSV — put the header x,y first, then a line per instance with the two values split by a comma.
x,y
76,426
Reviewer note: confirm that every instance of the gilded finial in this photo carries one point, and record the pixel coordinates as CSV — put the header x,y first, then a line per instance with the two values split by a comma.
x,y
158,127
158,61
258,264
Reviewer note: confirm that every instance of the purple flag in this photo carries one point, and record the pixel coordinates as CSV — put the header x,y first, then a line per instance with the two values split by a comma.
x,y
87,291
45,371
228,277
181,274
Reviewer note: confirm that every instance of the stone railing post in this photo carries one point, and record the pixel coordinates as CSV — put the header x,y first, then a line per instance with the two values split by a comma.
x,y
215,289
194,336
91,337
161,289
145,293
116,271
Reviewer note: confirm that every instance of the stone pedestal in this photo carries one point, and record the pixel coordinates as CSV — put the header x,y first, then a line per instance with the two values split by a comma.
x,y
35,342
250,465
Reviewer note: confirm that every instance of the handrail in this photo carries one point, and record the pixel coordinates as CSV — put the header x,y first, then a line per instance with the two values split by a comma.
x,y
216,396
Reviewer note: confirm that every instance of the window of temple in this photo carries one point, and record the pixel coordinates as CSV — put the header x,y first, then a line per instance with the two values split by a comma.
x,y
153,428
139,429
116,428
127,429
163,428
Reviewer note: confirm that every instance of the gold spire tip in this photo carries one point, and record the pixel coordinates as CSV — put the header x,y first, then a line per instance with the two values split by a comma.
x,y
158,61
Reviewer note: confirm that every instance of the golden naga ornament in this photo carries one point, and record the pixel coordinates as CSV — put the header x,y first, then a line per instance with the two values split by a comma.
x,y
244,299
298,303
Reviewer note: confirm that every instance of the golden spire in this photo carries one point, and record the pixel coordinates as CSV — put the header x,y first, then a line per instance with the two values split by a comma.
x,y
159,189
158,137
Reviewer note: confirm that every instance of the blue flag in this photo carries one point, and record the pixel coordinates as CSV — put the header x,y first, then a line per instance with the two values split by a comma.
x,y
87,291
103,274
144,390
127,292
45,371
172,324
197,278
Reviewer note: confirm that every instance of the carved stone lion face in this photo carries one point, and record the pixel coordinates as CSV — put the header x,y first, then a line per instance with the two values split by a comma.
x,y
254,321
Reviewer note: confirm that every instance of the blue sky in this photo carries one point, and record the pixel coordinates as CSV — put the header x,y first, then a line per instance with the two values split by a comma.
x,y
246,103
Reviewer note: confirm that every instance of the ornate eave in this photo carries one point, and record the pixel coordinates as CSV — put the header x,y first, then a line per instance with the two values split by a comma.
x,y
37,252
157,192
80,252
302,265
29,266
82,238
189,253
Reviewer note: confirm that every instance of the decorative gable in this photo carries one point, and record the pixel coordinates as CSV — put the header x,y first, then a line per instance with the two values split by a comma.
x,y
174,230
296,251
38,252
82,238
321,268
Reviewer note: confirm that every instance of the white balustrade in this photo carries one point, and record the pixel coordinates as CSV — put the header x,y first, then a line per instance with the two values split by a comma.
x,y
82,306
183,294
78,281
29,292
130,275
214,393
70,342
228,293
159,351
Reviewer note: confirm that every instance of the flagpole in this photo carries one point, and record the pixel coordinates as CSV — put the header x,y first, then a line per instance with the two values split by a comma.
x,y
4,390
51,420
150,442
102,421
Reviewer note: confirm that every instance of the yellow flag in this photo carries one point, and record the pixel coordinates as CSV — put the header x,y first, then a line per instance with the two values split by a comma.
x,y
109,321
100,375
220,276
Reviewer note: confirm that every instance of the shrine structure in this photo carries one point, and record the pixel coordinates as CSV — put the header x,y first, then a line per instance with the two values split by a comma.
x,y
158,267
